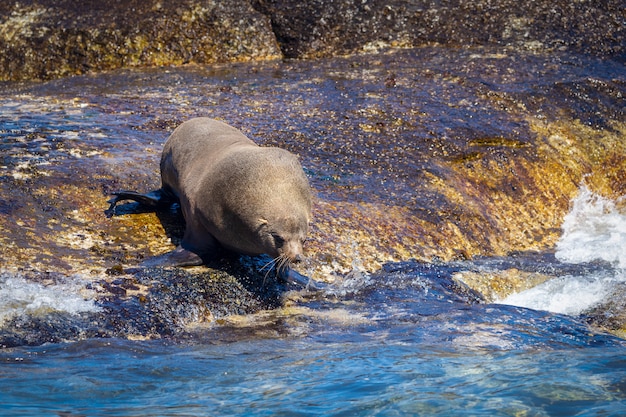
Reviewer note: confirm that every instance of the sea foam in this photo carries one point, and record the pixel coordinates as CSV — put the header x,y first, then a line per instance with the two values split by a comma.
x,y
593,230
20,296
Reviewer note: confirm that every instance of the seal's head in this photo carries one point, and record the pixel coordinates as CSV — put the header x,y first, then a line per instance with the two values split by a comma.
x,y
283,237
272,202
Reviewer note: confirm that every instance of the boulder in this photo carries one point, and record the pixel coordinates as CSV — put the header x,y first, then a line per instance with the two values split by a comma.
x,y
44,39
327,27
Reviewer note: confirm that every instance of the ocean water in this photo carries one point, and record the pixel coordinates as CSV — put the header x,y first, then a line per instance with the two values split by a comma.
x,y
401,342
361,374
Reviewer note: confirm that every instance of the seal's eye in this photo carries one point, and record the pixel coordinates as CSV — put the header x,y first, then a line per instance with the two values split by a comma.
x,y
278,240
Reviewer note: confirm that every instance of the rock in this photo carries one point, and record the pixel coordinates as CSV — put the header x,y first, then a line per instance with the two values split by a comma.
x,y
497,285
43,39
327,27
144,304
428,154
611,314
472,153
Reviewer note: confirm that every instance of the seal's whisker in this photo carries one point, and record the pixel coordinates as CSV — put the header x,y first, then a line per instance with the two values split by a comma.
x,y
279,264
270,264
284,264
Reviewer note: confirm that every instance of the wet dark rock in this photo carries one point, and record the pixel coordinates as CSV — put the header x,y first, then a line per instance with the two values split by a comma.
x,y
171,299
611,314
148,304
55,327
42,39
327,27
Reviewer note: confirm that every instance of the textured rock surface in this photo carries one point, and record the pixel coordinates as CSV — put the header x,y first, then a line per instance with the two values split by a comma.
x,y
43,39
611,315
325,27
433,153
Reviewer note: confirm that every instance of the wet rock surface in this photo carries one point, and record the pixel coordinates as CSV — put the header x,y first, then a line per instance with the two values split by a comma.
x,y
232,302
426,153
429,154
144,304
43,39
611,314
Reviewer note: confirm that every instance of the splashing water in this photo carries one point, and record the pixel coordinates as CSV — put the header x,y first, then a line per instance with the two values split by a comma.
x,y
19,296
593,231
569,294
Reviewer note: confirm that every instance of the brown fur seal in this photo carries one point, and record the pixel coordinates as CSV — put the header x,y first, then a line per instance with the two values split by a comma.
x,y
233,193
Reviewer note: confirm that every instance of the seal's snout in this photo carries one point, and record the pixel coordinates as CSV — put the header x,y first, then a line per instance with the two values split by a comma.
x,y
292,250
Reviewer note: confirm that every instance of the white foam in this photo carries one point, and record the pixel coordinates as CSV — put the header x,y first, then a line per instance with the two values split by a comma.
x,y
567,294
19,296
594,229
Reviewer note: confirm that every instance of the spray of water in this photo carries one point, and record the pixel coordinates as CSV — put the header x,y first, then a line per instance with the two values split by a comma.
x,y
20,296
593,230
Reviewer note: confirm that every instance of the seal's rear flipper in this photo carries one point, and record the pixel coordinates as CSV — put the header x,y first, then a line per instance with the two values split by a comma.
x,y
177,257
152,199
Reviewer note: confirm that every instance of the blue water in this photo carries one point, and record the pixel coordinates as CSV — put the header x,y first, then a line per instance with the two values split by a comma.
x,y
367,374
402,343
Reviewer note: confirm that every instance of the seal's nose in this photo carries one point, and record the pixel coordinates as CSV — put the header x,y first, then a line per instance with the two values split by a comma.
x,y
298,258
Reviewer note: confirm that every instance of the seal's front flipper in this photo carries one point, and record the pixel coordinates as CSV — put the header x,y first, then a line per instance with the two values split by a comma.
x,y
298,282
152,199
177,257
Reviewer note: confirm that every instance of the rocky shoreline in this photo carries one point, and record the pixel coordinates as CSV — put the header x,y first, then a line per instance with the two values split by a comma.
x,y
430,154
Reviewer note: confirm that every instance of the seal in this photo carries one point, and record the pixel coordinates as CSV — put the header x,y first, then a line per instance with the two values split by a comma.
x,y
233,194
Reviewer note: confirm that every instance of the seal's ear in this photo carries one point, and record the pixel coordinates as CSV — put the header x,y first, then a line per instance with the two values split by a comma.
x,y
261,224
